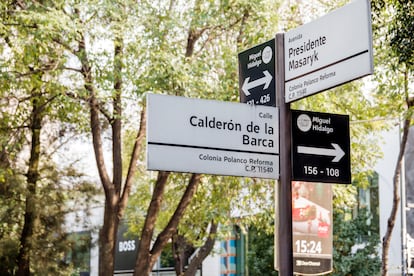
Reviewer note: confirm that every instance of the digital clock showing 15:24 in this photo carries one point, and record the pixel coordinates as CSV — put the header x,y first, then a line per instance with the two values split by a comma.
x,y
308,246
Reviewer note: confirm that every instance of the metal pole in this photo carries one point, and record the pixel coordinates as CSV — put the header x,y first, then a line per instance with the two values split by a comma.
x,y
285,253
404,208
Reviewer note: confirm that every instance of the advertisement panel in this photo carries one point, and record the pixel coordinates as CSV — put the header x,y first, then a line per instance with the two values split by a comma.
x,y
312,228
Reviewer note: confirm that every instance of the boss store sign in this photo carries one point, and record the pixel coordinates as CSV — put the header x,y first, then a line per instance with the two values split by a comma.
x,y
126,251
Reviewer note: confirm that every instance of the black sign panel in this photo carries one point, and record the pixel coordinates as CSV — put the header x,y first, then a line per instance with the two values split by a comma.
x,y
126,250
320,147
257,75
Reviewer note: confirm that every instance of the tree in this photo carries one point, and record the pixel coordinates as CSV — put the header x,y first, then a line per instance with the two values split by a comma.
x,y
32,101
116,191
99,81
209,24
365,260
393,21
260,254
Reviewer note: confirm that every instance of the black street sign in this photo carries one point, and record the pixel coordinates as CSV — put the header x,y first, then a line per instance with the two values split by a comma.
x,y
257,74
320,147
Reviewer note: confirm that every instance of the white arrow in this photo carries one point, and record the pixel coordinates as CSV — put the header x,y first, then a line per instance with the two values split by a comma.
x,y
249,85
336,152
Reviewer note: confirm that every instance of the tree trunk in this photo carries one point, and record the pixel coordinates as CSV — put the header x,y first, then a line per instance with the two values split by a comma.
x,y
142,265
167,233
147,257
202,252
113,190
396,181
182,250
31,215
396,200
178,245
107,240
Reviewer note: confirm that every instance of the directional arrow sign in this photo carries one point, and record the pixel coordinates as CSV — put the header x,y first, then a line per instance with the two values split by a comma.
x,y
256,75
320,147
336,152
253,84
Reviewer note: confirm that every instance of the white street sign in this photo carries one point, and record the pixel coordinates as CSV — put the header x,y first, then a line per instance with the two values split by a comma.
x,y
329,51
212,137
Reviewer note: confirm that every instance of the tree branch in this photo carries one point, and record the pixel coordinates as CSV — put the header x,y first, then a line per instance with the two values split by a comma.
x,y
133,161
98,147
212,35
203,251
240,35
143,255
94,108
116,122
77,70
172,225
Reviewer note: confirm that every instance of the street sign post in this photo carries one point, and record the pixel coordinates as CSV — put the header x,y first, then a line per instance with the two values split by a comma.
x,y
283,253
212,137
321,147
257,74
329,51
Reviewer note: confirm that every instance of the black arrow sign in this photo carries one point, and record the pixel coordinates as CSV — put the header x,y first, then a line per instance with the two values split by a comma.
x,y
320,147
